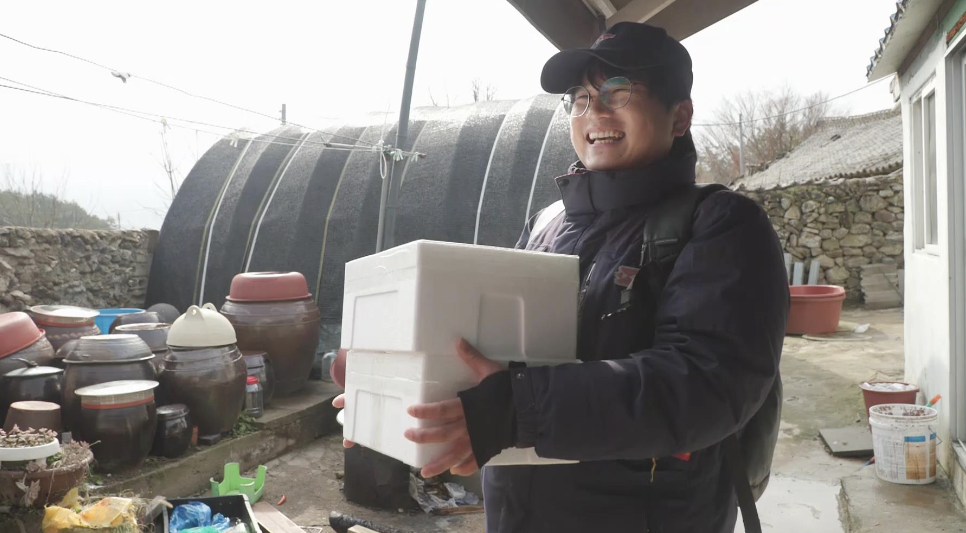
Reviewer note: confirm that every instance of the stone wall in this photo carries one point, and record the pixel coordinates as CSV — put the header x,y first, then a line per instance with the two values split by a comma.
x,y
94,269
845,224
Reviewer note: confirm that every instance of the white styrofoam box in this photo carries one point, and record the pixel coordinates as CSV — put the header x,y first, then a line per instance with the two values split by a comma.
x,y
381,386
422,297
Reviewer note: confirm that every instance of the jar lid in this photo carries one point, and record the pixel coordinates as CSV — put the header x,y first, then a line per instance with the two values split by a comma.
x,y
251,380
63,315
117,394
154,335
113,347
175,410
201,327
268,287
17,331
32,371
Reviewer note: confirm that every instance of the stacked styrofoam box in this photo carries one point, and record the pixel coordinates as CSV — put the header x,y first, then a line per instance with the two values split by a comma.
x,y
406,308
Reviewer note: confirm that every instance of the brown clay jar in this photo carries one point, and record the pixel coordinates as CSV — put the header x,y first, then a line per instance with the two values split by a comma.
x,y
120,419
100,359
174,431
210,382
64,323
273,312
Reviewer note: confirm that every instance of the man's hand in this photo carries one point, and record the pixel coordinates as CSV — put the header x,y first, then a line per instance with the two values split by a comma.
x,y
339,403
337,370
337,373
452,429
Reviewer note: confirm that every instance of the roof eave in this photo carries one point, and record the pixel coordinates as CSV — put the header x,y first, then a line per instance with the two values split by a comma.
x,y
574,24
906,25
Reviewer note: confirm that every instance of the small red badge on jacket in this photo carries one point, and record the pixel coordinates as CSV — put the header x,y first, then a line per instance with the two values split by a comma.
x,y
625,276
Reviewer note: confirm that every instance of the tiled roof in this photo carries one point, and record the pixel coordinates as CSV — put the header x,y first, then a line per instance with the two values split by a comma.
x,y
893,20
842,148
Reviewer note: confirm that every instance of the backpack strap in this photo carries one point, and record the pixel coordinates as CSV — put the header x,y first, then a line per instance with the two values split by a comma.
x,y
667,230
669,225
738,469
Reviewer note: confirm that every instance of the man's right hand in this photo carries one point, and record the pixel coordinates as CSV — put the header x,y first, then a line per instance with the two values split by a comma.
x,y
339,403
337,370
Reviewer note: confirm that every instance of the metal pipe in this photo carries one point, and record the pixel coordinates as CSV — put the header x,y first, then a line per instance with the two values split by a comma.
x,y
741,145
387,205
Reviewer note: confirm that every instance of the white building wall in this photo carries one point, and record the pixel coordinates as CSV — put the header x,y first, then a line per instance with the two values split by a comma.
x,y
927,278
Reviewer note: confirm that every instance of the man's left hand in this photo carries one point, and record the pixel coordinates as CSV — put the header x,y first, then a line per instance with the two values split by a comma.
x,y
451,419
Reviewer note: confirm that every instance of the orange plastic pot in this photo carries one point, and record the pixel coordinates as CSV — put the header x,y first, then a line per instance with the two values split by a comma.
x,y
873,395
814,309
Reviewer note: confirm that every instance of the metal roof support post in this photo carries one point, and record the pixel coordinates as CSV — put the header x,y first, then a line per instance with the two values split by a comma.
x,y
741,145
387,205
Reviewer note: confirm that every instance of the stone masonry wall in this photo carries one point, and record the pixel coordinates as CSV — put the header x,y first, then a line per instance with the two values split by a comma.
x,y
94,269
845,224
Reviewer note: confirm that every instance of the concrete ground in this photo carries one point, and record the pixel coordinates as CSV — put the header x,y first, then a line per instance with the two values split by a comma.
x,y
806,492
821,391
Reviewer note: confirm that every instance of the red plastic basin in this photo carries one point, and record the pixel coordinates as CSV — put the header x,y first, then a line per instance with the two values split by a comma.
x,y
17,331
815,309
268,287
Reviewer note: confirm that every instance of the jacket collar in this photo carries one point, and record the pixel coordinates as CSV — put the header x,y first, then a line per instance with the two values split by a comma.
x,y
593,191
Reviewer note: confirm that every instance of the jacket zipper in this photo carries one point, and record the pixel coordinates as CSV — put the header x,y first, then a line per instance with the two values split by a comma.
x,y
585,286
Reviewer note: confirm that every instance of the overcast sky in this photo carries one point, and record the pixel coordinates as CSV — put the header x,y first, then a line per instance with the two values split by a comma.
x,y
328,58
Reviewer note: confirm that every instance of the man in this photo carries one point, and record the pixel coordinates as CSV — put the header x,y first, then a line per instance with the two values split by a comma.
x,y
649,411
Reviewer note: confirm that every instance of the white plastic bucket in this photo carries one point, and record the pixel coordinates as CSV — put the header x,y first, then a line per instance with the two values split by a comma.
x,y
904,443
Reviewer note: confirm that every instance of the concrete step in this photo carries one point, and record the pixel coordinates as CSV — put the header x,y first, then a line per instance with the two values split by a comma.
x,y
880,278
287,424
876,506
886,298
886,295
883,286
879,268
884,290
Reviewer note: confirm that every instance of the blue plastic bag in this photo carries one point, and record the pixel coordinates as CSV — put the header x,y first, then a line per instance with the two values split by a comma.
x,y
196,515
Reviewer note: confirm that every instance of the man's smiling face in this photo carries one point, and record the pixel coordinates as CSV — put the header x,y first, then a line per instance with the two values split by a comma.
x,y
633,136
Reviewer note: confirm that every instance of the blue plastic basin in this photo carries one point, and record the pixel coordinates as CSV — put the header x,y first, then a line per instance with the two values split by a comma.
x,y
106,317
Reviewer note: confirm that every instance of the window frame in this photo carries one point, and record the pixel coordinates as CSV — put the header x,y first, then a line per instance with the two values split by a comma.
x,y
923,238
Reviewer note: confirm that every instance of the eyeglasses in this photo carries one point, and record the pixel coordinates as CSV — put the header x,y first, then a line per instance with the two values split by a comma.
x,y
613,93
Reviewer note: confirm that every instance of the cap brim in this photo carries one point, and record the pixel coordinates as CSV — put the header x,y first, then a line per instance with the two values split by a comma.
x,y
563,70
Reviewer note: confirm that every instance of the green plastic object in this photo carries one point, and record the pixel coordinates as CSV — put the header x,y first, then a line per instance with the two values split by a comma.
x,y
234,483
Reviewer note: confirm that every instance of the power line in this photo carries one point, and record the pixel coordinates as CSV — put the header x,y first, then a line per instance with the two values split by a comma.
x,y
806,108
124,76
257,138
131,112
163,119
56,52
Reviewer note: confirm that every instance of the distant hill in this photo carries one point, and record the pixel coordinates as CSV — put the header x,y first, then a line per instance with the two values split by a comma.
x,y
44,210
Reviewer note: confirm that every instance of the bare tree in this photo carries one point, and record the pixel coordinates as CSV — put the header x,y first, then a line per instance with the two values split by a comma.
x,y
773,123
167,187
482,92
442,102
169,170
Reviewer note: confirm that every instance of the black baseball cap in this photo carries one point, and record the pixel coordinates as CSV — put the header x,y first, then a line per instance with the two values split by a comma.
x,y
626,45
